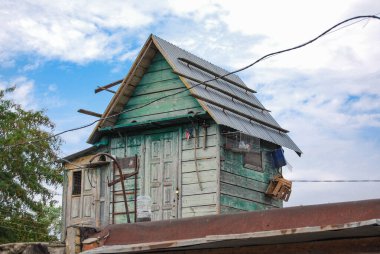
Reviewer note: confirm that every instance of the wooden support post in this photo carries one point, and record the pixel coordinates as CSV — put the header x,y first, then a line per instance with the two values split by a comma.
x,y
88,112
136,170
102,88
106,89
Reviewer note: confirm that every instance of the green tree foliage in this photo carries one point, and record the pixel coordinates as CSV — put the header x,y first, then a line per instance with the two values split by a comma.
x,y
27,171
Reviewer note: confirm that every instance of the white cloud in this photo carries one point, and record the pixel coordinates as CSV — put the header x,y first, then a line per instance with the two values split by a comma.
x,y
52,88
31,66
327,94
91,30
26,95
130,55
68,30
24,92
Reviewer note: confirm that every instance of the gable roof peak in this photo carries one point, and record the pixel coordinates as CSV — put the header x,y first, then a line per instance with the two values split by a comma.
x,y
227,99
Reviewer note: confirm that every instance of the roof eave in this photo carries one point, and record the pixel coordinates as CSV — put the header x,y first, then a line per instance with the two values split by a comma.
x,y
78,154
107,113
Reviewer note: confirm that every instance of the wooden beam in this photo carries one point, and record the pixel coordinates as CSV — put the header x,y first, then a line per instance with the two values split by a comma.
x,y
101,88
222,91
106,89
216,75
87,112
240,113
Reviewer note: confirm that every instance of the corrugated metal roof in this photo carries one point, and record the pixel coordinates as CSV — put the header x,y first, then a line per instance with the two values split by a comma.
x,y
285,225
224,117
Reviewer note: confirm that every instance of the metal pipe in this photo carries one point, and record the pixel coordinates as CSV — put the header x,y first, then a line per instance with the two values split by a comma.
x,y
121,175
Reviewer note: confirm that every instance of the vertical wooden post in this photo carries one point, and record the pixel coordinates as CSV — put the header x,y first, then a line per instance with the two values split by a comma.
x,y
113,195
136,168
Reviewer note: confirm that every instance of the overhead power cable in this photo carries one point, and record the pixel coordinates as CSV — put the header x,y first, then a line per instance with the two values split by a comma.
x,y
337,181
331,29
78,166
353,23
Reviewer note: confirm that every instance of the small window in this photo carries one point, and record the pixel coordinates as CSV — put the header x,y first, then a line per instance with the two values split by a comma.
x,y
77,182
253,160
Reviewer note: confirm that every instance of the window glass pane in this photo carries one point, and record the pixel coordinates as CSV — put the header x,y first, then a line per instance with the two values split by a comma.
x,y
253,159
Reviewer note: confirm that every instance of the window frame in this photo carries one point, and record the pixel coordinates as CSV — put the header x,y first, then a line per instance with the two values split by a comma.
x,y
259,167
75,190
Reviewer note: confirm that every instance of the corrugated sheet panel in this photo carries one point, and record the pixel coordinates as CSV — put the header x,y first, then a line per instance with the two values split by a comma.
x,y
251,128
173,53
224,117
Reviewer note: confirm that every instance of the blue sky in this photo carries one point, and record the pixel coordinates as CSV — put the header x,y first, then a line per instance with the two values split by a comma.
x,y
327,94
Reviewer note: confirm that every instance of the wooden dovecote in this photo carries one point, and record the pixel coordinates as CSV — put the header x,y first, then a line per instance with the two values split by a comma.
x,y
176,127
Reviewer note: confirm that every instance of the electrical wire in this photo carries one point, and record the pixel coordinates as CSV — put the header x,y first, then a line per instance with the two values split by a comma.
x,y
337,181
303,44
330,30
353,23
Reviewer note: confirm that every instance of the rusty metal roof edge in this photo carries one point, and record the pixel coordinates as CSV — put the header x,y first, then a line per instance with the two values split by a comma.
x,y
141,247
302,230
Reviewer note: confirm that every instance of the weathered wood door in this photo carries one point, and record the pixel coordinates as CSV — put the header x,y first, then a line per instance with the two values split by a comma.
x,y
102,199
88,196
82,198
161,170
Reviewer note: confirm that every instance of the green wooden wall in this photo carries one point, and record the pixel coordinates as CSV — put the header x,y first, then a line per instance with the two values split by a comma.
x,y
225,181
197,202
121,147
243,189
227,185
158,81
193,201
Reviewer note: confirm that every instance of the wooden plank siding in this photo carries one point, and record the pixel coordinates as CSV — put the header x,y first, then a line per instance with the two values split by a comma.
x,y
122,147
158,81
193,200
197,202
243,189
